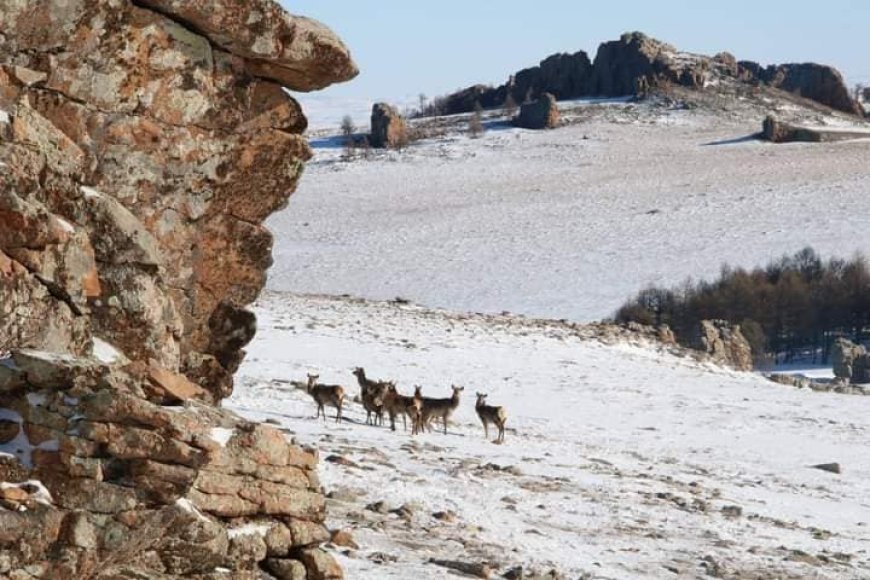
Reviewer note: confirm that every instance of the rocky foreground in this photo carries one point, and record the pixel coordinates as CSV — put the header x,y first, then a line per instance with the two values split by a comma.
x,y
142,144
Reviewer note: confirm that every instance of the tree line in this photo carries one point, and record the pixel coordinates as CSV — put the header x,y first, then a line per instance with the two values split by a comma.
x,y
794,306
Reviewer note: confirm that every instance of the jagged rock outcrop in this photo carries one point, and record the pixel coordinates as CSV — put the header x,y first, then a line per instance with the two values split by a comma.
x,y
851,361
565,76
637,64
540,114
816,82
388,128
142,145
723,343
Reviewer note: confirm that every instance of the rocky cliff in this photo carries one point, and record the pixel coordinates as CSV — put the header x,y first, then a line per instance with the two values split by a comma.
x,y
636,64
142,145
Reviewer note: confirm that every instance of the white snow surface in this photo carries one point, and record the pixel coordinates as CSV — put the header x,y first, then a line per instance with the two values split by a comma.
x,y
20,446
37,490
618,462
566,223
105,352
249,530
221,435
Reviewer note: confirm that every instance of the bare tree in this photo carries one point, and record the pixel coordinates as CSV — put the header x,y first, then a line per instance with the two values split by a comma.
x,y
475,123
347,130
424,104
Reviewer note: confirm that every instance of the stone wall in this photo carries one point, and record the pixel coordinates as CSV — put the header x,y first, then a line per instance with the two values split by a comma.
x,y
142,145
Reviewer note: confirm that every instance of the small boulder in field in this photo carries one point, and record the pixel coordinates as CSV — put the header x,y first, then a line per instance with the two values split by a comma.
x,y
540,114
388,129
829,467
473,569
344,539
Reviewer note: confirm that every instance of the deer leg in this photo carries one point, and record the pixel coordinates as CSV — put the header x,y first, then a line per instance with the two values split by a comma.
x,y
485,429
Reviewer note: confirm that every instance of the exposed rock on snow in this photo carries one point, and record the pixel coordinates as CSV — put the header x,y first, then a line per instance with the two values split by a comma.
x,y
779,132
851,361
724,343
540,114
132,134
387,126
637,64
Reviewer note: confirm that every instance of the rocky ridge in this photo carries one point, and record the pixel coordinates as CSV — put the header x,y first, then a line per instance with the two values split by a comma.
x,y
142,145
637,64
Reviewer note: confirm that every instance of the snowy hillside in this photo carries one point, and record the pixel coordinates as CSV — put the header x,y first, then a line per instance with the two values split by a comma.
x,y
620,461
568,223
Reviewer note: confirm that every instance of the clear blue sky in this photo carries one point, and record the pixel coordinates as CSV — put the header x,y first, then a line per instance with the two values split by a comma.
x,y
405,47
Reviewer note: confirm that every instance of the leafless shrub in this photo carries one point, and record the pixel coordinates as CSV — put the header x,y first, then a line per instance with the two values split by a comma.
x,y
475,123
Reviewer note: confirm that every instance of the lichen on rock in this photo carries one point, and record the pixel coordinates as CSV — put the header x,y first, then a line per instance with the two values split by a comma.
x,y
142,145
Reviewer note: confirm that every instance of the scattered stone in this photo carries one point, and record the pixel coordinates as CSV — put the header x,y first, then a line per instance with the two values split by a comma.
x,y
405,511
344,539
732,511
829,467
341,460
476,570
379,507
382,558
445,516
320,565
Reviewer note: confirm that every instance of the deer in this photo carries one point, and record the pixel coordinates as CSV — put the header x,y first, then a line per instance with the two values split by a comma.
x,y
332,395
372,396
434,408
408,407
490,414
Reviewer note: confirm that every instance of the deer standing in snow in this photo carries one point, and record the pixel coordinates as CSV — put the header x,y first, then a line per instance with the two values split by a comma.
x,y
431,408
372,395
489,414
332,395
396,404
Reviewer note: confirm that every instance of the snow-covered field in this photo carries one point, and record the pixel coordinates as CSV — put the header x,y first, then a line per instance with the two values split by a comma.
x,y
620,461
567,223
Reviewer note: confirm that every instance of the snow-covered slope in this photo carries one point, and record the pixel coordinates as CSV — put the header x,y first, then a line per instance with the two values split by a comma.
x,y
571,222
620,461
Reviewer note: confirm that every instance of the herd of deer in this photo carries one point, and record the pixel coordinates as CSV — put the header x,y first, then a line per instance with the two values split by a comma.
x,y
380,396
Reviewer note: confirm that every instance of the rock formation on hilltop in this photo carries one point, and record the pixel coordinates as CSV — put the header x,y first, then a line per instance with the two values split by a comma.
x,y
636,64
142,145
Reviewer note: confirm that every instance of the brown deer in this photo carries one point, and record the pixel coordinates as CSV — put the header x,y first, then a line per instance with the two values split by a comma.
x,y
372,396
437,408
489,414
332,395
396,404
